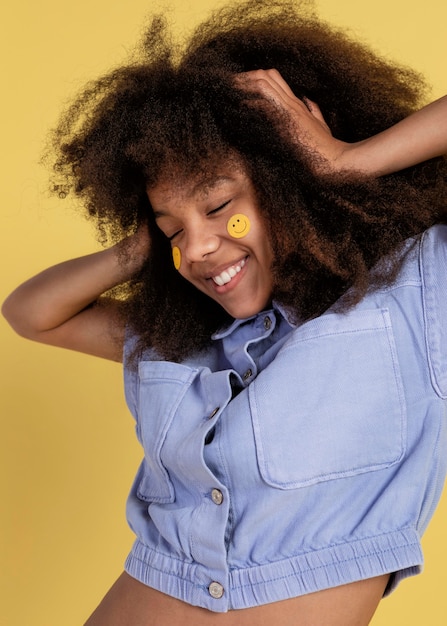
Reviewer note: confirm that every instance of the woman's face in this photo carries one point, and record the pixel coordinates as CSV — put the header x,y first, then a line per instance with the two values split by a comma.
x,y
218,239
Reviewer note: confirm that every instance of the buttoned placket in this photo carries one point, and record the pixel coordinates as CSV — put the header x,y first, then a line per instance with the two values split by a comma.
x,y
208,522
263,325
260,328
239,337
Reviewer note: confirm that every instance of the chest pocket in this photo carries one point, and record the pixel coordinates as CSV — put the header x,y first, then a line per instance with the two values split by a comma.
x,y
162,386
331,404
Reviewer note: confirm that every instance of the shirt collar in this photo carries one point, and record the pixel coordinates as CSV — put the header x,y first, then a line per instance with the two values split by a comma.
x,y
277,309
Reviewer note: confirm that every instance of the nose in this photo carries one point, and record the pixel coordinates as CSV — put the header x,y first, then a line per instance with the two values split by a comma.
x,y
199,244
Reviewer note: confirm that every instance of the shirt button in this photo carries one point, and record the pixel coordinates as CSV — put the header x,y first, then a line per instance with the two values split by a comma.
x,y
213,413
216,590
247,374
217,496
267,323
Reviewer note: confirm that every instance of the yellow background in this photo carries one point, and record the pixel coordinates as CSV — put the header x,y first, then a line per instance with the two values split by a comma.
x,y
67,449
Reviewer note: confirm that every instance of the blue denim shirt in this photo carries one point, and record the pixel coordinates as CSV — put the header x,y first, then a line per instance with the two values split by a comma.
x,y
289,459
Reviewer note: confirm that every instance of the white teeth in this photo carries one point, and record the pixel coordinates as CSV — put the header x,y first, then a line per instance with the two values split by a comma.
x,y
224,277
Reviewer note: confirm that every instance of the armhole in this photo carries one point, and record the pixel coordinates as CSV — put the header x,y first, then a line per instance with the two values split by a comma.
x,y
130,372
434,277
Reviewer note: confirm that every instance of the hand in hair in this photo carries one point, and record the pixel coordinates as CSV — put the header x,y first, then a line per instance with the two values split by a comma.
x,y
419,137
308,124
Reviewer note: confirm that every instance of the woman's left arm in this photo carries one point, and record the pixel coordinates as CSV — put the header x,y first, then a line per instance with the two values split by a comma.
x,y
421,136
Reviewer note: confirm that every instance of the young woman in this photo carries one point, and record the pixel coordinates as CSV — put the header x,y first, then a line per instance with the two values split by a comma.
x,y
278,294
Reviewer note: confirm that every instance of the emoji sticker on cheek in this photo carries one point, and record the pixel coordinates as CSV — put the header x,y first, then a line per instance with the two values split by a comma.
x,y
176,257
238,226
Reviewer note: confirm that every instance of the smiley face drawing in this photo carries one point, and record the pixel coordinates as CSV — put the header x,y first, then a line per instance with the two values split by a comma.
x,y
238,226
176,257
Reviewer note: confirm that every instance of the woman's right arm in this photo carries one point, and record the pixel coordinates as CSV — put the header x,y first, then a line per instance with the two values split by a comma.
x,y
63,305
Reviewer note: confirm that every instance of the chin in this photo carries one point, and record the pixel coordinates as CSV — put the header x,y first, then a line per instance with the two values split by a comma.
x,y
243,312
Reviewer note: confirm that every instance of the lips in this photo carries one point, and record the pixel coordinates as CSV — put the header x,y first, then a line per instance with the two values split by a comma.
x,y
228,274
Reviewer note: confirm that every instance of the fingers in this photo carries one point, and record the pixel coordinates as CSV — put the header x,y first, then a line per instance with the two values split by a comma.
x,y
315,110
269,80
268,83
271,85
304,122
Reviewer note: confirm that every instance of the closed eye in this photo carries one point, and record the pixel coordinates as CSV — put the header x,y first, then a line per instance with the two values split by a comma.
x,y
219,208
171,237
216,210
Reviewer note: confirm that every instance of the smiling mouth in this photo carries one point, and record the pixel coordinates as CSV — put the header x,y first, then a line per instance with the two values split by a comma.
x,y
227,275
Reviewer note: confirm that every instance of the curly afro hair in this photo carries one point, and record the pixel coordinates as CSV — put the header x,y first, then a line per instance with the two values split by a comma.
x,y
176,111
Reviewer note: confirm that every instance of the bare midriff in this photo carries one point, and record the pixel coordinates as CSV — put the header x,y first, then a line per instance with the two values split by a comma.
x,y
130,603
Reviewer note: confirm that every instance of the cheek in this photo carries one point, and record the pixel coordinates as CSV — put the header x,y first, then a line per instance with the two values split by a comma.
x,y
238,226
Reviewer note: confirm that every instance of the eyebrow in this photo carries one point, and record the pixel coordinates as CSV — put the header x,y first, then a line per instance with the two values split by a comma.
x,y
208,185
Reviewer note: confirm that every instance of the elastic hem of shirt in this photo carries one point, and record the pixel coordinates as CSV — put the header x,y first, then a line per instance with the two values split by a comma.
x,y
398,553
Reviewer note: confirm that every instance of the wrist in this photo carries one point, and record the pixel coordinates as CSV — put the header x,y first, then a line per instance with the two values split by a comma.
x,y
131,253
352,157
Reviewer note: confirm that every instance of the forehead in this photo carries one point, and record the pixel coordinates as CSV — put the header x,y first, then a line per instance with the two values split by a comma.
x,y
174,189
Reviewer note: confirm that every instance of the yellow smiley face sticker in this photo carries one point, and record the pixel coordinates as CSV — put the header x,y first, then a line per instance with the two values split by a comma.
x,y
176,257
238,226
